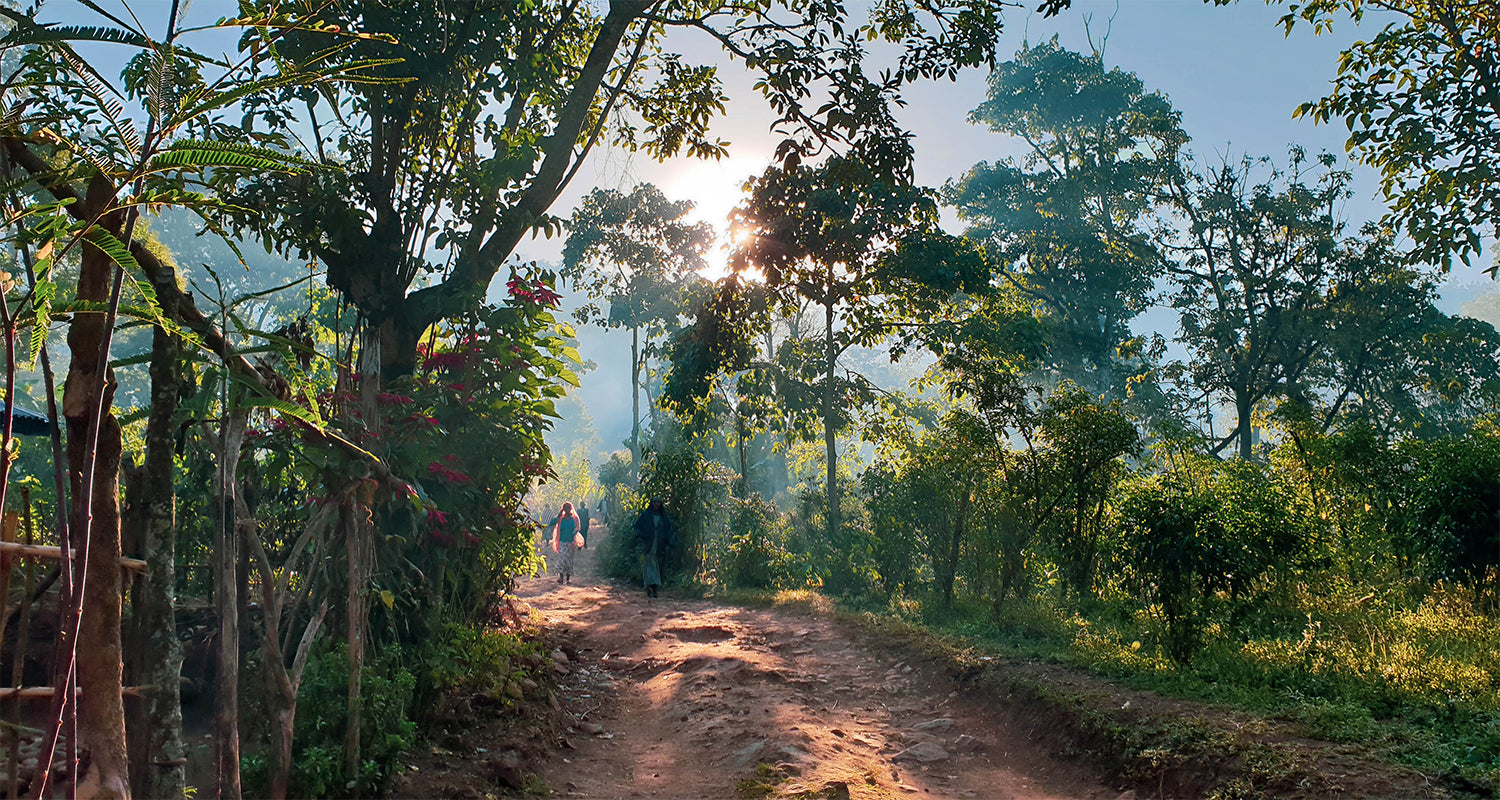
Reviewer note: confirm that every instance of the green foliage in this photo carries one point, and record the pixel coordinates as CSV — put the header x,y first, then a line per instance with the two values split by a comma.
x,y
695,493
1455,509
637,253
1406,96
387,728
432,170
894,542
755,553
843,565
613,480
462,661
1202,530
1071,224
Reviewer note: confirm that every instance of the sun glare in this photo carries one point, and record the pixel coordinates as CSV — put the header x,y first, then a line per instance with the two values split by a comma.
x,y
715,189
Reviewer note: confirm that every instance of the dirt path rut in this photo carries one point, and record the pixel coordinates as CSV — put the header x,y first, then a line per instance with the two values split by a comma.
x,y
688,699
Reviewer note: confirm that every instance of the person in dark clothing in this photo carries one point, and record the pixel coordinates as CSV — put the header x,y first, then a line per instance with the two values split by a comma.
x,y
583,521
653,530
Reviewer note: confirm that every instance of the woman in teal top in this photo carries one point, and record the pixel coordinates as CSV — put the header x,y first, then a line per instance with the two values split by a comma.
x,y
567,540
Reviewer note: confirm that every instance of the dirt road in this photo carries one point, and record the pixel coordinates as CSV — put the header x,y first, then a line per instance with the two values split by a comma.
x,y
688,699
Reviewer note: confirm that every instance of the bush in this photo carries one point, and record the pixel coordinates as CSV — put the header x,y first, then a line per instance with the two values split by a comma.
x,y
386,727
1202,530
755,554
843,565
471,661
1455,519
695,493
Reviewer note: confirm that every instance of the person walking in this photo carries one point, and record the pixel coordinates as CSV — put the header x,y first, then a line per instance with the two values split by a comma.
x,y
567,540
653,530
583,521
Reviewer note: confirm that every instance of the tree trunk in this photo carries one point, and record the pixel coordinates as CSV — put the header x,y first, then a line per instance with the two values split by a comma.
x,y
359,540
358,533
1243,408
283,680
101,708
743,484
955,547
830,425
156,653
226,604
635,405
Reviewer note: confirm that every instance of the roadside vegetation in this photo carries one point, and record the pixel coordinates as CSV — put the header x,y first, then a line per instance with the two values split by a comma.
x,y
292,381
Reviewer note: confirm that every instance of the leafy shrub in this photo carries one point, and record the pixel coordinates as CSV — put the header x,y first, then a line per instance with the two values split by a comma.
x,y
1198,531
895,543
1455,519
386,727
755,555
843,565
695,493
471,661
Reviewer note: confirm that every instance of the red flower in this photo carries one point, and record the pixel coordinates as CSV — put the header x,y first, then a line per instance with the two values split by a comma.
x,y
449,475
540,293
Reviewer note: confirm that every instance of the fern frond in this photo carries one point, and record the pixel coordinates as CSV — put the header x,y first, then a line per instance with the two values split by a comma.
x,y
200,102
112,18
98,88
283,407
41,306
112,247
202,153
53,33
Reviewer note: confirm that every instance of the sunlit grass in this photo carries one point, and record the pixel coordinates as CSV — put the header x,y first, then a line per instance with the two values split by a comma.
x,y
1418,681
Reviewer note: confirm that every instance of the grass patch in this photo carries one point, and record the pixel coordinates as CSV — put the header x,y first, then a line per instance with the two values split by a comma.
x,y
764,783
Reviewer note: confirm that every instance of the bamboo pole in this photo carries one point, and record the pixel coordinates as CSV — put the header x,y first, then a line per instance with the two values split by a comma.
x,y
14,549
8,692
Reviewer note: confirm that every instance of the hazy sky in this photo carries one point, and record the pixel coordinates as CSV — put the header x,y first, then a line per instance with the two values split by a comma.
x,y
1230,71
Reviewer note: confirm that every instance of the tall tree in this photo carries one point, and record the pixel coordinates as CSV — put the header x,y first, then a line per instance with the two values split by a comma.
x,y
1421,100
86,169
1258,248
858,247
1070,225
490,108
637,253
1391,356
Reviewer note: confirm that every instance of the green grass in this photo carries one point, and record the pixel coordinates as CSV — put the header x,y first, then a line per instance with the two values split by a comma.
x,y
1421,683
